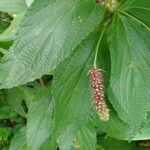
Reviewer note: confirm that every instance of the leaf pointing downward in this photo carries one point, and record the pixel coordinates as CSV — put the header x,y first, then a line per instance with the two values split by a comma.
x,y
130,74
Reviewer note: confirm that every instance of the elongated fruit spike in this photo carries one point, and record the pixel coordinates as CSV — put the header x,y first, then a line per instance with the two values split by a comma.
x,y
98,94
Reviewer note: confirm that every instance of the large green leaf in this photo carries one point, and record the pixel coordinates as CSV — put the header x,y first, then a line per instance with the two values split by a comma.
x,y
3,51
140,9
48,33
114,127
3,25
71,88
66,140
48,145
4,134
144,132
16,96
9,33
39,123
12,6
113,144
130,80
117,129
15,99
19,140
6,112
86,138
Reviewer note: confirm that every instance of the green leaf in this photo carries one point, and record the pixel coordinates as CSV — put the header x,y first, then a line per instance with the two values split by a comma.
x,y
130,80
140,9
71,88
4,134
9,33
12,6
6,112
49,33
113,144
86,138
48,145
117,129
144,132
19,140
3,51
39,123
114,127
3,25
15,98
65,140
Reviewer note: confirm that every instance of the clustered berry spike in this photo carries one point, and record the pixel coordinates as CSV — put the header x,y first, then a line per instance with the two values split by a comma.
x,y
98,94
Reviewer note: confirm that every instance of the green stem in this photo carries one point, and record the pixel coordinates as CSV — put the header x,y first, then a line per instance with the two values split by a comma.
x,y
98,44
134,18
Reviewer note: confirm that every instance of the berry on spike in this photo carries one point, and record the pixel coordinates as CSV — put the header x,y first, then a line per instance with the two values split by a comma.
x,y
98,94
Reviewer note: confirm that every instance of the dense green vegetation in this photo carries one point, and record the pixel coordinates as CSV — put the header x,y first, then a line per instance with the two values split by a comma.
x,y
47,48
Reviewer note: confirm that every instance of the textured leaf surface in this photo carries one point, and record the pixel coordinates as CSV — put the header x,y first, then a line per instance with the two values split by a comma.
x,y
117,129
19,140
3,25
66,140
114,127
144,131
130,80
15,98
12,6
9,33
86,138
4,134
71,88
48,33
3,51
113,144
6,112
140,9
39,123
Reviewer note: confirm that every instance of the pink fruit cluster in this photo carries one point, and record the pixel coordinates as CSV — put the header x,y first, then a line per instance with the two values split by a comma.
x,y
98,94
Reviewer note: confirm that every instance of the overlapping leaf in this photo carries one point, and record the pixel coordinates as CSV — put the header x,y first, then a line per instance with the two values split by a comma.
x,y
48,33
130,80
13,6
111,144
15,98
71,88
9,33
19,140
86,138
39,123
140,9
